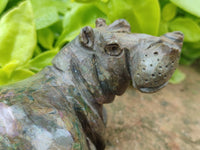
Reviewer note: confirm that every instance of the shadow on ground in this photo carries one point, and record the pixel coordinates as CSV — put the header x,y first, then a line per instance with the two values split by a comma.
x,y
166,120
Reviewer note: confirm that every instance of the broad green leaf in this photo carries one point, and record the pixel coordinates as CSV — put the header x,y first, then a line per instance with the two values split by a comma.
x,y
104,1
83,1
8,68
62,6
104,7
66,37
37,51
191,6
119,12
3,4
163,28
45,16
190,29
86,14
144,16
57,28
177,77
20,74
169,12
163,3
191,50
17,35
11,4
147,13
42,60
186,61
46,38
3,77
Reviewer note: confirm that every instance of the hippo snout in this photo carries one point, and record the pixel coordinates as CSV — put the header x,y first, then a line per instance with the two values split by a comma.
x,y
153,66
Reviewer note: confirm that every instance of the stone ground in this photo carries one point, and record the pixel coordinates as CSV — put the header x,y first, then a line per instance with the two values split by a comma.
x,y
166,120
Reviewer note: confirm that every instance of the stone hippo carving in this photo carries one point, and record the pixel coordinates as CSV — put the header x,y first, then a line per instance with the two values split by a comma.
x,y
61,107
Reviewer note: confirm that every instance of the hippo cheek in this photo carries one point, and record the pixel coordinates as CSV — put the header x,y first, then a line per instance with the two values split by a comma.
x,y
151,71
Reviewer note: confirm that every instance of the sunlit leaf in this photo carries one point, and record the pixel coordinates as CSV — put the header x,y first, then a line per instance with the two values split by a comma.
x,y
17,35
163,28
37,51
8,68
186,61
45,17
42,60
3,77
62,6
191,50
169,12
148,15
85,14
177,77
144,16
83,1
3,4
46,38
191,6
20,74
189,27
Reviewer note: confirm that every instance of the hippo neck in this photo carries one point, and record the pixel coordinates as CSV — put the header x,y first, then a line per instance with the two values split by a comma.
x,y
87,75
85,70
80,68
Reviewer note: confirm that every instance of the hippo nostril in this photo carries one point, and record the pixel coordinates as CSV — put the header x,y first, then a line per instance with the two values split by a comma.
x,y
155,53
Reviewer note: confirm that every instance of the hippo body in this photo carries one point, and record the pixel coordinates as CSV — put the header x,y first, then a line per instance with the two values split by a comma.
x,y
61,107
39,114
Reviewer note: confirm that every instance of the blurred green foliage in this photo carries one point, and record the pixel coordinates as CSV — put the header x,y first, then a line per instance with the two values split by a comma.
x,y
33,31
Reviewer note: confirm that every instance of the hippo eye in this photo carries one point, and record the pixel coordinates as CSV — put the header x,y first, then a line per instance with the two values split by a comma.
x,y
113,49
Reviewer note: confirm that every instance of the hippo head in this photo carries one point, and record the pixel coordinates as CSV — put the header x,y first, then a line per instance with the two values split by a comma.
x,y
147,60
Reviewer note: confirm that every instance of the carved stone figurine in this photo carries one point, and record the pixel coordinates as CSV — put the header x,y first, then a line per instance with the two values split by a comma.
x,y
61,107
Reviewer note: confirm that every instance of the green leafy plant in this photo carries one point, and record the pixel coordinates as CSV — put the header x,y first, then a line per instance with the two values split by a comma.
x,y
33,31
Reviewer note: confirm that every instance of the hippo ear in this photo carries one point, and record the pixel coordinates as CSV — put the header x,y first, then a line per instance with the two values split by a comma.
x,y
100,22
120,25
86,37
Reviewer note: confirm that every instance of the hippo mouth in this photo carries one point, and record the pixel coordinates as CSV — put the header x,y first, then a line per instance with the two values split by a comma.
x,y
151,89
